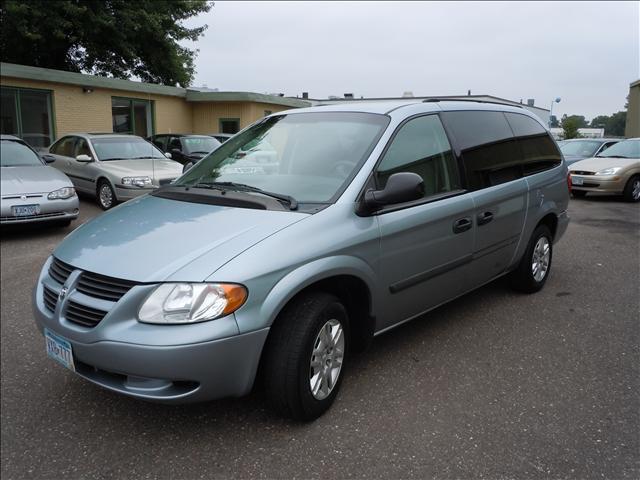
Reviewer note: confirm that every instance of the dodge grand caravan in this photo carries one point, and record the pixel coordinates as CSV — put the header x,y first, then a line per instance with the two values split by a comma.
x,y
369,216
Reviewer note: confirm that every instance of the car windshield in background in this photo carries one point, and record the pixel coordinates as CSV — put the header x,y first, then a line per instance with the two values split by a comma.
x,y
585,148
126,148
199,144
624,149
14,154
307,156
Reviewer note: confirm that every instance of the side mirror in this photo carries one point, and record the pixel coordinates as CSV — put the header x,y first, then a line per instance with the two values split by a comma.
x,y
400,188
84,158
167,154
187,166
48,158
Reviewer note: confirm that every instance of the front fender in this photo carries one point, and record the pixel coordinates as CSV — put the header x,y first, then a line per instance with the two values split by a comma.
x,y
263,310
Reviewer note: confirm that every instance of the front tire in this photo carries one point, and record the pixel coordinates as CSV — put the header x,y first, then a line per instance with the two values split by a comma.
x,y
535,265
305,355
632,189
105,195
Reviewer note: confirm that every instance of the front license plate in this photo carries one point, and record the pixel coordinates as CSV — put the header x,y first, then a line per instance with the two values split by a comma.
x,y
577,181
25,210
59,349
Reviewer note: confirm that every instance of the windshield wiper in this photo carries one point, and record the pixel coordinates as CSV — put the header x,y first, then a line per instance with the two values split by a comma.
x,y
613,156
241,187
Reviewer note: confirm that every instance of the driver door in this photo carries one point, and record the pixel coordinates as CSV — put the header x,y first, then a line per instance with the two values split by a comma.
x,y
82,172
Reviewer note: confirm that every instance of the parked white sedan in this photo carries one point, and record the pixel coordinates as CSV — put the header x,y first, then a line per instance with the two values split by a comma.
x,y
113,167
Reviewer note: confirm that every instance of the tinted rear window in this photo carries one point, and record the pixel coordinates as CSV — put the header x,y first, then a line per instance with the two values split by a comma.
x,y
539,152
490,153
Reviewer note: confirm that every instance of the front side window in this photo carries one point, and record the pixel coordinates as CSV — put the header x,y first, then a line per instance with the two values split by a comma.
x,y
82,148
15,154
229,125
421,146
309,156
539,153
490,153
199,144
64,147
125,148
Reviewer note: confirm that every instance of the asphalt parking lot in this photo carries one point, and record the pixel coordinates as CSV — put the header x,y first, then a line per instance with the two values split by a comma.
x,y
494,385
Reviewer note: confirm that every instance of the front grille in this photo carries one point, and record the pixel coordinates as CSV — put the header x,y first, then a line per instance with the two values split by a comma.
x,y
83,315
581,172
103,287
50,299
31,217
60,271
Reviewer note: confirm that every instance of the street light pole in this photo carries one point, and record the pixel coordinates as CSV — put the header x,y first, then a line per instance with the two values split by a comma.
x,y
556,100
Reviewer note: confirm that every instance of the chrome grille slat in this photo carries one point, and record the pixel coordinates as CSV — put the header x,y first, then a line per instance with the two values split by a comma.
x,y
83,314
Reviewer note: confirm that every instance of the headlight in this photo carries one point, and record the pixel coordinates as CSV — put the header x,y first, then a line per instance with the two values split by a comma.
x,y
172,303
136,181
609,171
62,193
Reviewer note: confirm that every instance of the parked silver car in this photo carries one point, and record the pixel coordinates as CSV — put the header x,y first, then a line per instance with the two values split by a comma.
x,y
113,167
581,148
185,294
31,190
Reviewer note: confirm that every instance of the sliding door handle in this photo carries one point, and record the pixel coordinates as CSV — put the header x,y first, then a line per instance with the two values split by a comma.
x,y
485,218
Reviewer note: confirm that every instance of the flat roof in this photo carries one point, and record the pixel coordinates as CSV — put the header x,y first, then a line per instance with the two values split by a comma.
x,y
12,70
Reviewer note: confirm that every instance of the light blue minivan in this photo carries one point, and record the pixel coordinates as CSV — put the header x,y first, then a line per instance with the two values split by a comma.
x,y
367,215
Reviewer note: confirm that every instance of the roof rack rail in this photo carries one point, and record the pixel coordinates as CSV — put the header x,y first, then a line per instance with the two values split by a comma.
x,y
475,100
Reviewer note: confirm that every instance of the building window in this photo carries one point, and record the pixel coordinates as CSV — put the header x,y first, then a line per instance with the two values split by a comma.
x,y
26,113
229,125
133,116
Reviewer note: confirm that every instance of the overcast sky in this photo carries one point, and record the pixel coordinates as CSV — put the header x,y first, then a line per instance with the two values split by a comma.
x,y
585,53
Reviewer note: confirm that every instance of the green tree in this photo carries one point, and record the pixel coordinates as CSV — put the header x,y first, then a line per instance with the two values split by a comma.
x,y
600,121
119,38
570,125
616,124
579,120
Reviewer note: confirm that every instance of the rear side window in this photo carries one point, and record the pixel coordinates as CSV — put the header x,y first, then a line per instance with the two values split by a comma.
x,y
538,150
490,153
421,146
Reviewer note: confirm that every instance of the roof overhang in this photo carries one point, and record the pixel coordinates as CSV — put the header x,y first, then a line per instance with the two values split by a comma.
x,y
198,96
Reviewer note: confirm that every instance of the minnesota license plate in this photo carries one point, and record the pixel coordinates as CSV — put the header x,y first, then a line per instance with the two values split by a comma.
x,y
25,210
577,181
59,349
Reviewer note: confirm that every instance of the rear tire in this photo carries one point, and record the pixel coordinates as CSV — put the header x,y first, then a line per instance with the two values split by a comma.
x,y
305,355
64,223
578,193
105,195
632,189
535,265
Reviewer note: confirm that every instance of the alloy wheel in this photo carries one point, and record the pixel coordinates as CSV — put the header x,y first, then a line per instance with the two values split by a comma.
x,y
106,196
326,359
541,258
635,189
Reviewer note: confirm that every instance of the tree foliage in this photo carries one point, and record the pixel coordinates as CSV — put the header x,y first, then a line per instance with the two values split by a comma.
x,y
578,120
570,126
119,38
613,124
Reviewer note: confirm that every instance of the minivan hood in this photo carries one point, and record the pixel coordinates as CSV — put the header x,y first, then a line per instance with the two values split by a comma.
x,y
35,179
152,239
600,163
155,168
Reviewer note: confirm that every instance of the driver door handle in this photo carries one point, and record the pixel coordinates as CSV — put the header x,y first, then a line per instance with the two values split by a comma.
x,y
462,225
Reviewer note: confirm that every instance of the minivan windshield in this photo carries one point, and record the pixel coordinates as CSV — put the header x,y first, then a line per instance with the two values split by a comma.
x,y
310,157
585,148
124,148
625,149
15,154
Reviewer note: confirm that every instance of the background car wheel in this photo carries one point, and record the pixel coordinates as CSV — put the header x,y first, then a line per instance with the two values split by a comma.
x,y
305,354
64,223
535,266
105,195
632,189
578,193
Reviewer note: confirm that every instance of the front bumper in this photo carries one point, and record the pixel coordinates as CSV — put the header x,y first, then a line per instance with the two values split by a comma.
x,y
613,184
163,363
124,193
50,210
